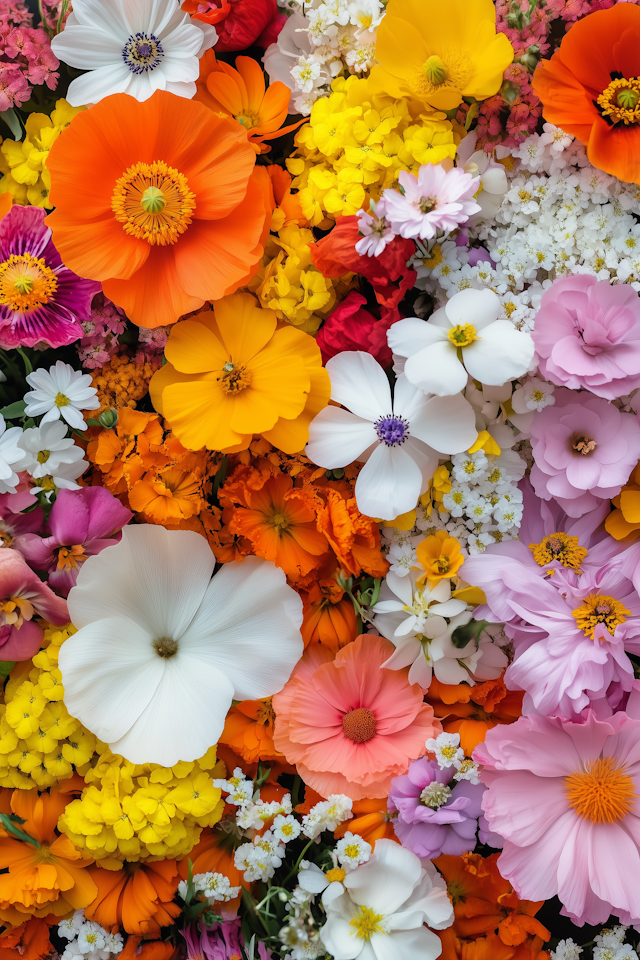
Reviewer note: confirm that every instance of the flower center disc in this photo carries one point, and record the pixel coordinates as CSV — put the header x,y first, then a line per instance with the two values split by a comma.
x,y
560,547
392,430
153,202
165,647
142,52
620,101
601,792
234,377
462,335
359,725
598,608
449,71
583,445
26,283
367,922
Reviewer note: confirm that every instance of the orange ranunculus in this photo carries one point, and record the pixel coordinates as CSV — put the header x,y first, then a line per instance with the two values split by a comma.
x,y
29,941
157,200
48,879
591,88
241,93
232,374
354,538
329,616
471,711
138,898
278,519
370,821
623,523
440,556
248,730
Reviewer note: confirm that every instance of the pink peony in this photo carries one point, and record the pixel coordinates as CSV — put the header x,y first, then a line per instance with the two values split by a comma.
x,y
564,796
584,450
436,199
587,334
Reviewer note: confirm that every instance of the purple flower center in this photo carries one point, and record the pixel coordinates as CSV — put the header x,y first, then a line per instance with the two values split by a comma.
x,y
142,52
392,430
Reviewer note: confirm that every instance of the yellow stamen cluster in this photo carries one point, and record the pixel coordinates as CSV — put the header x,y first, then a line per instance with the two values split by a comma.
x,y
598,608
451,71
234,378
620,101
462,335
561,547
601,792
153,202
26,283
366,922
121,382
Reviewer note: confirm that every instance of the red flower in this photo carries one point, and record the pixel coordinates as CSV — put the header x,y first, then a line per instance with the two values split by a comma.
x,y
351,327
240,23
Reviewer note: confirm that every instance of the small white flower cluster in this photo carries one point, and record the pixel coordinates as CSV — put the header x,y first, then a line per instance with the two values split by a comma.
x,y
88,938
260,858
327,815
215,886
449,753
338,35
609,945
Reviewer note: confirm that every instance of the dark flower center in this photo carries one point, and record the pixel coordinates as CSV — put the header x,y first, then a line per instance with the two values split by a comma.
x,y
392,430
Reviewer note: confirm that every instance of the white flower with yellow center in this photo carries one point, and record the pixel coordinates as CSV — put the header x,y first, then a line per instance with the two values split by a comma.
x,y
384,906
462,339
60,392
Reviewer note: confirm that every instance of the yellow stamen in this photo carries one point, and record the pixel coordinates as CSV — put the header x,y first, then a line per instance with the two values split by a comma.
x,y
600,792
597,608
234,378
620,101
153,202
462,335
560,547
366,922
26,283
62,401
336,875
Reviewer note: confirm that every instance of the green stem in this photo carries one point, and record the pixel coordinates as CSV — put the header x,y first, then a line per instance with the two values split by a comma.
x,y
297,864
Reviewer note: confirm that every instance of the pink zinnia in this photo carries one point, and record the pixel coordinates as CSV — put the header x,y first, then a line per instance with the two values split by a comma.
x,y
566,798
349,724
436,199
584,449
587,334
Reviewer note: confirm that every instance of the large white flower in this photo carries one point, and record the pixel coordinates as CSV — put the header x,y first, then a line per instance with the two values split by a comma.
x,y
491,350
162,649
387,901
400,441
132,46
13,457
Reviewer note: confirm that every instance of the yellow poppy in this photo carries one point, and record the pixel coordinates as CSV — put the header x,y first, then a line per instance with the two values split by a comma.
x,y
440,51
232,374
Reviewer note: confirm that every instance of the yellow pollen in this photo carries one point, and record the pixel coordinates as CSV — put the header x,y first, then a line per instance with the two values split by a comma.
x,y
448,70
462,335
435,259
435,71
337,874
620,101
597,608
279,521
153,202
509,308
248,120
43,456
26,283
366,922
538,395
62,401
560,547
449,752
600,792
352,850
47,484
234,378
583,445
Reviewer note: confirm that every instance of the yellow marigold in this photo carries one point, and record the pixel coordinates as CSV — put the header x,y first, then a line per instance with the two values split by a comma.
x,y
122,382
24,162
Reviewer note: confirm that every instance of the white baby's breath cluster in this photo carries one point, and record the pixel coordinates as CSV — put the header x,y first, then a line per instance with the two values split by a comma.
x,y
215,886
608,945
449,753
86,938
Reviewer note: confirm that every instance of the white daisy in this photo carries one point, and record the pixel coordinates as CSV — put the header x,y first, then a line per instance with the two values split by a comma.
x,y
13,457
63,392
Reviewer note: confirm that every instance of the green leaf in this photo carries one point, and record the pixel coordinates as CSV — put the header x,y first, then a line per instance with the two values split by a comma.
x,y
6,666
464,634
14,410
10,117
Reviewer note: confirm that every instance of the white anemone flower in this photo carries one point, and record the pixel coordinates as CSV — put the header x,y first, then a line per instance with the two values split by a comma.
x,y
59,392
386,902
162,649
132,46
399,441
463,338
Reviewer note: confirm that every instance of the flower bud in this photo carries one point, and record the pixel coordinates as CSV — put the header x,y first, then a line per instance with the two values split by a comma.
x,y
108,419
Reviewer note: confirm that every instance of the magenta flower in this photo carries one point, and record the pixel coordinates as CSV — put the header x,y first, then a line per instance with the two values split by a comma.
x,y
22,595
14,525
587,334
434,200
222,941
564,796
435,813
584,450
82,523
41,300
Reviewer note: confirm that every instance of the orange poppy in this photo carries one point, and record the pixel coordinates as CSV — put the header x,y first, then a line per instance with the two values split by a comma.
x,y
138,898
241,93
248,730
29,941
370,821
471,711
158,201
47,880
591,88
328,616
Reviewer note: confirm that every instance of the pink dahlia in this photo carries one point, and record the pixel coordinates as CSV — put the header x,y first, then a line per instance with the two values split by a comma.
x,y
566,798
584,449
349,724
436,199
587,334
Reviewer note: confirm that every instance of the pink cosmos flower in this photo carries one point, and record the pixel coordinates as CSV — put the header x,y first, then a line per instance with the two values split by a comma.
x,y
375,229
82,523
347,723
436,199
566,798
584,450
587,334
22,595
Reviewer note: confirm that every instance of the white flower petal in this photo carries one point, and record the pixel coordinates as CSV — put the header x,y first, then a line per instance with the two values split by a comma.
x,y
103,82
501,353
436,369
87,48
337,438
406,337
450,608
401,586
434,627
386,880
447,424
389,484
360,384
105,15
477,307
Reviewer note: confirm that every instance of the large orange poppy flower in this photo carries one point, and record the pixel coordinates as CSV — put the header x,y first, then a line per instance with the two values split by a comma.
x,y
137,899
158,201
591,88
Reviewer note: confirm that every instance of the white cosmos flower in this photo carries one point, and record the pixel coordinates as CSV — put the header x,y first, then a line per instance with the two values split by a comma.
x,y
400,441
132,46
492,350
59,392
382,912
162,649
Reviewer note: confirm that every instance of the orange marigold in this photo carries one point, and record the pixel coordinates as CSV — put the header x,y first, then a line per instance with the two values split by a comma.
x,y
172,493
471,711
329,616
138,898
123,454
122,382
354,538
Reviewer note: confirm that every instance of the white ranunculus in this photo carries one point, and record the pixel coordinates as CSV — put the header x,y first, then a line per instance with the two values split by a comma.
x,y
400,441
132,46
162,649
492,350
387,901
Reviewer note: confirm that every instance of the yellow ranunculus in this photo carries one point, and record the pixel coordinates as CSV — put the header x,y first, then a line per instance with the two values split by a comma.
x,y
439,51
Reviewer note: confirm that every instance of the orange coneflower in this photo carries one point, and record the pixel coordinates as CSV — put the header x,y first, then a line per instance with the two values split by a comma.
x,y
158,201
